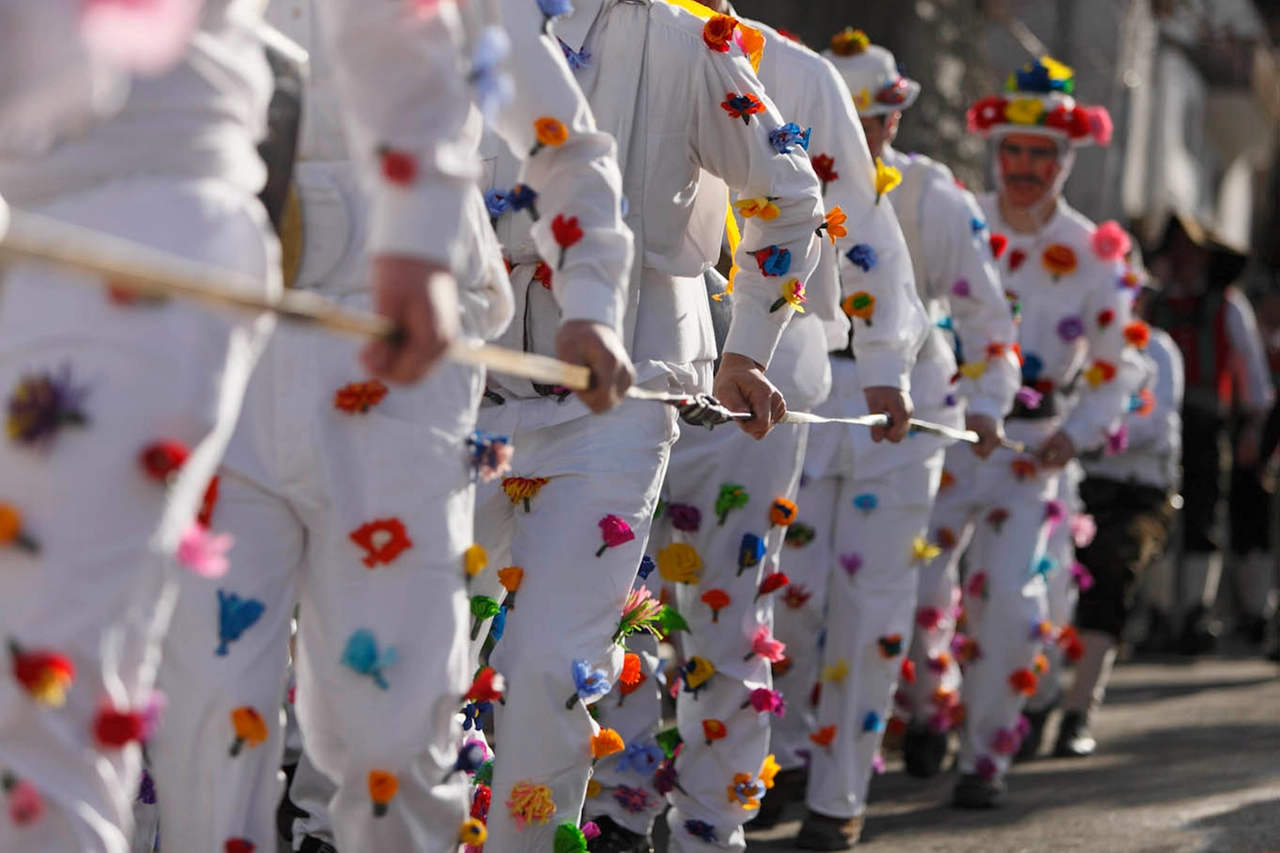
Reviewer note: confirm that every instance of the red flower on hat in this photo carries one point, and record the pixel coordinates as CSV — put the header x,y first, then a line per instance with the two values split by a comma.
x,y
383,540
986,113
1072,121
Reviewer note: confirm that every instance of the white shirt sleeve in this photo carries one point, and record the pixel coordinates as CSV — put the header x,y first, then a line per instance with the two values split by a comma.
x,y
402,84
577,180
963,273
1159,431
1248,360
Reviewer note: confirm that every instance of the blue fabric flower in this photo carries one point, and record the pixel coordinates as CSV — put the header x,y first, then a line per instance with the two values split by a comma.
x,y
589,682
1045,565
577,59
361,654
873,722
866,502
1032,367
775,261
701,830
523,197
641,758
647,566
788,136
978,225
750,552
235,616
493,87
863,257
1034,77
470,757
555,8
473,715
495,201
498,626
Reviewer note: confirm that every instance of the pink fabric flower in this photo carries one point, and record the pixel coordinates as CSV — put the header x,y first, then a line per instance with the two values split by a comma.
x,y
1110,242
146,36
765,700
1118,441
977,585
1029,397
1083,529
851,563
615,531
764,645
1084,580
986,768
940,722
1100,124
1005,742
26,806
1022,727
928,618
877,763
961,288
590,831
204,553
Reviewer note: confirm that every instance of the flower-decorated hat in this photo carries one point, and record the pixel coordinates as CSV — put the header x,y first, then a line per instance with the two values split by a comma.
x,y
871,73
1037,98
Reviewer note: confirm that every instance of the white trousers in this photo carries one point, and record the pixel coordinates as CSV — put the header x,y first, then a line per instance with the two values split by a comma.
x,y
997,508
703,816
570,600
1061,593
362,517
100,590
848,634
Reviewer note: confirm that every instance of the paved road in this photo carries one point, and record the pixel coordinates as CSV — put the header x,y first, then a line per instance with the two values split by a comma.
x,y
1190,763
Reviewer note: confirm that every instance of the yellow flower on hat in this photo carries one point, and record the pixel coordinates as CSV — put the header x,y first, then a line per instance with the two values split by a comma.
x,y
849,42
1024,110
1057,70
862,98
887,179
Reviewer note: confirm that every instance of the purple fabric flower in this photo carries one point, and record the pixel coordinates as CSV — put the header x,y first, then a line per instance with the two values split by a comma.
x,y
42,404
950,399
685,517
1022,727
701,830
1070,328
851,563
986,768
1005,742
1084,580
634,800
1118,441
665,780
1055,511
940,722
147,790
1029,397
577,59
961,288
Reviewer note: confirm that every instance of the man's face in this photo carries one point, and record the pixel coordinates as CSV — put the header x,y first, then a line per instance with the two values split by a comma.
x,y
1029,165
880,131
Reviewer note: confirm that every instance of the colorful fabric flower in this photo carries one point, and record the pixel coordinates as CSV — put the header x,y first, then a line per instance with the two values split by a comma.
x,y
523,489
849,42
42,404
631,674
928,617
764,207
472,713
907,672
530,803
799,535
773,261
569,839
606,743
487,686
834,224
890,646
824,167
997,517
772,583
999,243
961,288
785,138
713,730
615,531
851,563
679,563
742,106
577,59
1100,373
924,551
361,654
701,830
204,553
383,540
45,676
887,179
1059,259
670,621
1110,242
235,616
552,9
938,662
1016,259
717,32
796,596
398,167
482,607
864,257
647,567
1023,468
732,496
161,460
750,552
1029,397
473,832
836,672
746,791
872,722
1023,681
1024,110
685,517
204,517
249,727
567,233
764,645
977,585
986,768
634,800
1138,334
496,202
359,397
792,294
866,502
588,683
986,113
717,600
824,736
697,671
490,455
642,758
11,530
639,613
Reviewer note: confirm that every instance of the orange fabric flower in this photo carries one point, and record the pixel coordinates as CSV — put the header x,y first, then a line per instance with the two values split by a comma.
x,y
717,33
630,669
522,489
383,540
11,532
510,578
383,787
359,397
1059,260
1138,333
717,600
550,132
834,224
824,736
249,728
606,743
713,730
1023,468
782,512
861,305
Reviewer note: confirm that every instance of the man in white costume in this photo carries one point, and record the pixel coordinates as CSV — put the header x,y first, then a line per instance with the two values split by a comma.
x,y
870,508
1066,275
355,498
674,85
118,407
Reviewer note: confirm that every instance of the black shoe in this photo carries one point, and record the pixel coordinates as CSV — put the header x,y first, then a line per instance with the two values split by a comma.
x,y
311,844
616,839
1074,740
819,832
788,787
1030,747
923,751
1254,630
1199,633
974,792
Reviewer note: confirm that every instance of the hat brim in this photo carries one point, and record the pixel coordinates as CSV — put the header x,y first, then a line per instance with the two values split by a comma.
x,y
1228,261
997,132
878,108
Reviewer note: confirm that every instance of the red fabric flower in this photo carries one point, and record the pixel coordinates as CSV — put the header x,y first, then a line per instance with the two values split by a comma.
x,y
824,736
1106,317
615,531
824,166
772,583
713,730
542,274
398,167
717,600
116,729
908,671
359,396
207,504
239,845
1138,333
1074,122
1023,468
999,243
1023,681
1100,124
161,459
488,686
717,33
986,113
1016,258
567,233
383,540
796,596
46,676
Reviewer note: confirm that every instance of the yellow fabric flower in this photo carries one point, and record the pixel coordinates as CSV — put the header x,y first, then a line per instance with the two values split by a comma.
x,y
862,99
792,294
473,832
973,369
922,550
1057,70
769,770
1024,110
887,179
698,672
763,207
837,672
474,560
593,788
679,563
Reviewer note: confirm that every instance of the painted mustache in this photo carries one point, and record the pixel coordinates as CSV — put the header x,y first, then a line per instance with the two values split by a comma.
x,y
1028,180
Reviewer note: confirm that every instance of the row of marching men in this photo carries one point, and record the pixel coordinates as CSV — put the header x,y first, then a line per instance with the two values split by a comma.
x,y
468,555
